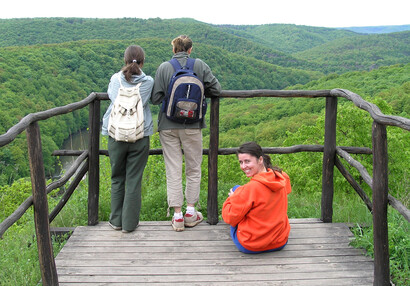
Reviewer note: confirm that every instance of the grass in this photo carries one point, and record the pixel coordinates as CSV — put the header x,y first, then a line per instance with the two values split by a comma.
x,y
399,245
19,247
19,261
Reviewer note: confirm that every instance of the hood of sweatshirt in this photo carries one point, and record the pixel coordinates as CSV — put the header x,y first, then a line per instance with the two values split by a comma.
x,y
135,79
273,180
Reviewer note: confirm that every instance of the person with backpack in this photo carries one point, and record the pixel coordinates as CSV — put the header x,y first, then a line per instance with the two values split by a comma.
x,y
128,143
180,124
257,211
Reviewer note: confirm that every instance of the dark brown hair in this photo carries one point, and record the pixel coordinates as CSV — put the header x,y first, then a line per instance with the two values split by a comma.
x,y
134,56
181,44
255,150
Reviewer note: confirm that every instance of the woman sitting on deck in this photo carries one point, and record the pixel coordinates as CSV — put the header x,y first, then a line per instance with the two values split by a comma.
x,y
257,211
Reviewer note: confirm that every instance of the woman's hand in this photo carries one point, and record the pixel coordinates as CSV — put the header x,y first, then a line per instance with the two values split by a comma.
x,y
230,192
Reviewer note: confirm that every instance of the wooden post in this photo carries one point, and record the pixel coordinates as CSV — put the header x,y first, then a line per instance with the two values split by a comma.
x,y
40,203
329,153
213,162
94,162
380,201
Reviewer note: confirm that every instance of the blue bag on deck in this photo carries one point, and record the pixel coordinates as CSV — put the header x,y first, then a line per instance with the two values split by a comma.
x,y
185,100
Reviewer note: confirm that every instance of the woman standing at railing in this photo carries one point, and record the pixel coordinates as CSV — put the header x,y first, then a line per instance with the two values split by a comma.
x,y
257,211
128,159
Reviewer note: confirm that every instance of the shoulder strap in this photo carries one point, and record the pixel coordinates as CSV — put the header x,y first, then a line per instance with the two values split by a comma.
x,y
190,63
174,62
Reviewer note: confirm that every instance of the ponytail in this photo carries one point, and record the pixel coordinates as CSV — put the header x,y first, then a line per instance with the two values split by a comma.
x,y
134,56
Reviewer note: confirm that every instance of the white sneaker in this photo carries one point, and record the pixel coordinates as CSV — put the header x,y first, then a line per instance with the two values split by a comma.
x,y
193,220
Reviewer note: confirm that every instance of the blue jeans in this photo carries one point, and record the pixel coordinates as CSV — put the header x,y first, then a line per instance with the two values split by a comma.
x,y
239,245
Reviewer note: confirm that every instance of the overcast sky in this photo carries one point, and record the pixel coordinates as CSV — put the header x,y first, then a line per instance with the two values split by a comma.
x,y
321,13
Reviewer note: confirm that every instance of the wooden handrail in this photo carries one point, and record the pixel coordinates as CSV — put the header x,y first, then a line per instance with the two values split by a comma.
x,y
274,93
378,183
395,203
14,131
232,151
19,212
73,185
373,110
354,184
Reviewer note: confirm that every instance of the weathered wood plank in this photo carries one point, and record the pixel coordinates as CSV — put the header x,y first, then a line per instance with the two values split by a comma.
x,y
198,235
317,254
120,281
294,222
205,255
288,278
215,269
194,249
79,245
72,260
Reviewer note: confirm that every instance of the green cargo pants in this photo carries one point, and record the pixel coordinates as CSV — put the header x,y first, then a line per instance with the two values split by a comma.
x,y
128,162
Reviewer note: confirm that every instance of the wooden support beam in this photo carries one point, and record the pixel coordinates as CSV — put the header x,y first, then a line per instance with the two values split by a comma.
x,y
329,154
354,184
94,162
380,200
38,182
212,206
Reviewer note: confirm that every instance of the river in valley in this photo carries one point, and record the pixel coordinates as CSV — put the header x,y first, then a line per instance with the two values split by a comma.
x,y
77,141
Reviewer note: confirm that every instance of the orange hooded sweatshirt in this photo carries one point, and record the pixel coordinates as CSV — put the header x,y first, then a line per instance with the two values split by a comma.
x,y
259,209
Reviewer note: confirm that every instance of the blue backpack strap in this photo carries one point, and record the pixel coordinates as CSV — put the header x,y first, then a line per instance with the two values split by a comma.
x,y
190,63
174,62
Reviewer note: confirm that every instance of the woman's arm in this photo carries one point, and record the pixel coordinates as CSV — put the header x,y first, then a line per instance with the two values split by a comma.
x,y
236,206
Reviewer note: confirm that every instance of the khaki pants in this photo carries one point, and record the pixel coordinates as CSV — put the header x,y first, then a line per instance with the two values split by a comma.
x,y
190,140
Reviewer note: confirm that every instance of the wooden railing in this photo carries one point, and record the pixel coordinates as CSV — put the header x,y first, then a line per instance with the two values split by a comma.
x,y
88,160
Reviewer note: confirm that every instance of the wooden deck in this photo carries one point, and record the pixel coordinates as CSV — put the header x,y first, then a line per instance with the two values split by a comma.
x,y
316,254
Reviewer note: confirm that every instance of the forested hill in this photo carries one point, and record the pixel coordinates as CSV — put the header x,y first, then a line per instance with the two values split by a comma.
x,y
18,32
360,52
50,62
286,37
278,44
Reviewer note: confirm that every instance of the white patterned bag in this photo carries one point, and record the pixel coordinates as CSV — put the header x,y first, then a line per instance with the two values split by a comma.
x,y
126,122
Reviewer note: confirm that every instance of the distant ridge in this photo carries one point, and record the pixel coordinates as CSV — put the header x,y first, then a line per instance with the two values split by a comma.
x,y
378,29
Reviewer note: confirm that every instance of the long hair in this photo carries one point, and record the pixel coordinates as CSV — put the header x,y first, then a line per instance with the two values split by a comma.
x,y
181,44
255,150
134,56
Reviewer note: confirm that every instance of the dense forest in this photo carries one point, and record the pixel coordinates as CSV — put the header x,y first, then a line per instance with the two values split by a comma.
x,y
49,62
